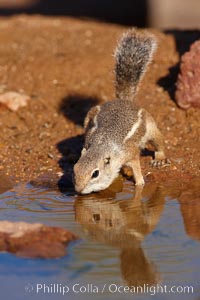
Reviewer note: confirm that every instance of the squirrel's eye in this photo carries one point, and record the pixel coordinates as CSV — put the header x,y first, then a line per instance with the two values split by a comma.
x,y
95,174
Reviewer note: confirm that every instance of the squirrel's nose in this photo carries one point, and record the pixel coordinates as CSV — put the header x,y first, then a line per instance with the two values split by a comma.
x,y
78,187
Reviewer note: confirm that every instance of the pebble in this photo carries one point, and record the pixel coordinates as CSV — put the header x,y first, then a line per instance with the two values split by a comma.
x,y
50,155
29,150
46,125
55,81
13,100
43,134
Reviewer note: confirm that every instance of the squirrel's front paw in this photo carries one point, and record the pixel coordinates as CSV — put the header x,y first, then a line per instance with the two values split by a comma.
x,y
160,163
140,182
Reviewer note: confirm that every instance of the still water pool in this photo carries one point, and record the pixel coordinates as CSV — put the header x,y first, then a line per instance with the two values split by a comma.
x,y
128,238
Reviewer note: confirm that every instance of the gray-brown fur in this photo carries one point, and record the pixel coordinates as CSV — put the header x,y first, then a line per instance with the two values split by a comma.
x,y
112,121
116,131
132,55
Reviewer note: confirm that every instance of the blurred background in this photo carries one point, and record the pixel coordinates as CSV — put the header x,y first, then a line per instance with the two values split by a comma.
x,y
165,14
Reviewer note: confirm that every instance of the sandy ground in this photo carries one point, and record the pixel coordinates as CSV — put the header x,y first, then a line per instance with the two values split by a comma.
x,y
66,66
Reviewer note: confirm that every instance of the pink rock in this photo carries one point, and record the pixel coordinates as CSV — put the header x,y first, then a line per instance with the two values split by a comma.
x,y
188,84
13,100
34,240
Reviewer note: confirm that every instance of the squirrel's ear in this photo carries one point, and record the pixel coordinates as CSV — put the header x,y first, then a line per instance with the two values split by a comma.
x,y
90,119
83,151
107,160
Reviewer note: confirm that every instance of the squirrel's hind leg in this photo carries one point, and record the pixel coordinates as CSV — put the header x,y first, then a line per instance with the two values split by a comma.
x,y
155,137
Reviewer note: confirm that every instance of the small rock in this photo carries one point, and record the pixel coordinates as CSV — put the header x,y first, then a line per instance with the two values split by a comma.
x,y
14,100
188,84
55,81
50,156
60,174
46,125
29,150
43,134
173,167
34,240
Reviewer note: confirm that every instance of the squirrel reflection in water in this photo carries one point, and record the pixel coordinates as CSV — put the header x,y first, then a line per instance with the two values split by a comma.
x,y
124,224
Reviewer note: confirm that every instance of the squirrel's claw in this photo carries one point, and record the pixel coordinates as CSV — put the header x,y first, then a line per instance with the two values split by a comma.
x,y
160,163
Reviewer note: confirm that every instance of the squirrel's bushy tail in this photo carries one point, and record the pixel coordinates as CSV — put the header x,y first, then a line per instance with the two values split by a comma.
x,y
133,53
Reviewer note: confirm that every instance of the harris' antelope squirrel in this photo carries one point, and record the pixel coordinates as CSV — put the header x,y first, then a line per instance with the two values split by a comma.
x,y
116,131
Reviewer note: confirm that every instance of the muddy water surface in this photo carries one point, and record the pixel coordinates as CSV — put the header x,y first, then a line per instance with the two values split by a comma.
x,y
128,238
